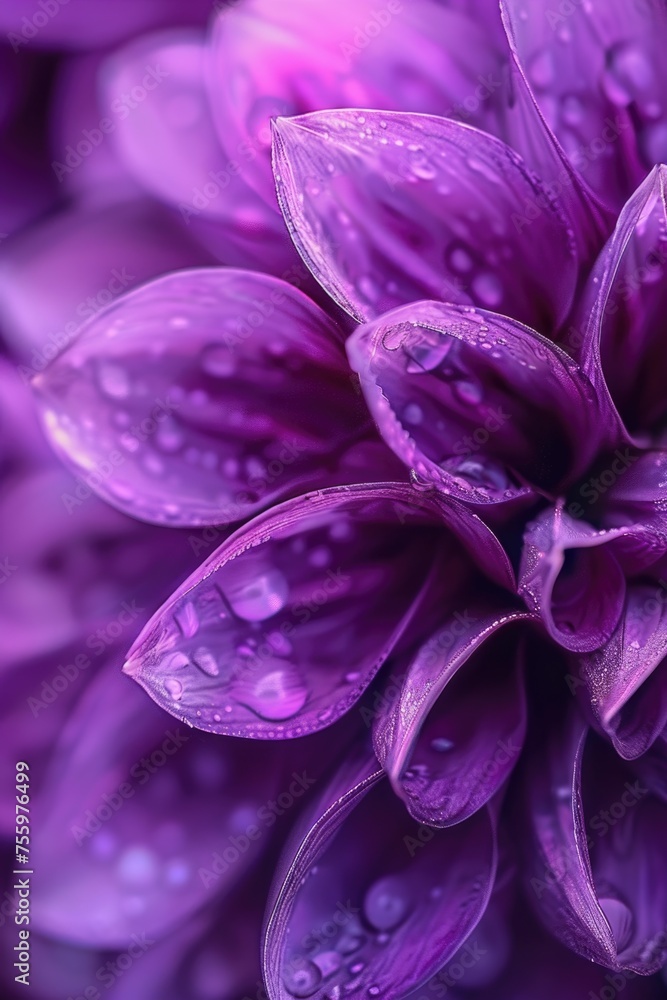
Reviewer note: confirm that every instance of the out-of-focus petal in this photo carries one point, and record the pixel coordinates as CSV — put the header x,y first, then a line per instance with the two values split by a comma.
x,y
269,60
598,74
479,405
596,856
169,144
404,898
619,325
570,576
625,680
281,630
69,24
214,392
386,208
452,717
63,271
143,820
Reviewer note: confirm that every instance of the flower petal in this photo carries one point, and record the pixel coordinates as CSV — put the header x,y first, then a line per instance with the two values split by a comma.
x,y
447,721
410,902
169,144
625,680
481,407
380,206
598,76
188,378
597,884
288,59
66,268
621,314
135,807
570,576
285,625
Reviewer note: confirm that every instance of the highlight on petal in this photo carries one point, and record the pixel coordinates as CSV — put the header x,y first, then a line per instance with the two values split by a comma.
x,y
598,75
453,733
480,406
181,432
285,625
596,856
403,904
620,321
272,59
570,576
386,208
625,680
135,810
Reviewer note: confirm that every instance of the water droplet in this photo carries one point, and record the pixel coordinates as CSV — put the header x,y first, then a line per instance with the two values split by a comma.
x,y
302,980
174,688
328,962
259,597
169,436
277,695
541,69
174,661
373,991
387,903
187,619
424,170
206,662
440,744
218,361
620,920
460,260
488,289
469,392
113,380
628,74
412,414
352,677
426,355
350,942
320,556
137,866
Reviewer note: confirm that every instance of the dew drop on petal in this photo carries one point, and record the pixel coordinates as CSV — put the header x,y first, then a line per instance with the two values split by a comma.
x,y
412,414
441,744
278,695
204,659
387,904
488,289
217,360
187,619
261,597
302,980
174,688
469,392
113,380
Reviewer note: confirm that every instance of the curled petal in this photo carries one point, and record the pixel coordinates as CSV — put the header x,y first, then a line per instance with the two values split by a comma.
x,y
597,884
598,77
625,680
571,577
480,406
181,433
460,710
289,59
407,908
620,321
135,810
285,625
379,206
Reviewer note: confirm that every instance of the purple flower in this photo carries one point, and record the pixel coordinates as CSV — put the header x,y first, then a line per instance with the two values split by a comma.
x,y
387,357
